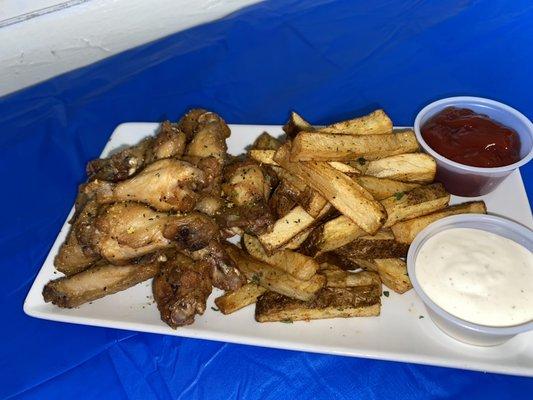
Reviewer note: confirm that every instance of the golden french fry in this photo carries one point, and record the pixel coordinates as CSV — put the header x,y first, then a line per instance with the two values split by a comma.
x,y
296,264
406,231
392,272
375,123
360,301
414,203
381,188
415,167
315,146
381,245
232,301
341,191
273,278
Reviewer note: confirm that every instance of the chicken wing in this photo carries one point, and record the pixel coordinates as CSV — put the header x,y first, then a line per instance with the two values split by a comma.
x,y
169,142
73,256
120,165
166,185
247,186
98,281
181,289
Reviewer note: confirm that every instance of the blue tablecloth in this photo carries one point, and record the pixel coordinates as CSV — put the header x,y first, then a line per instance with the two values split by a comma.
x,y
326,59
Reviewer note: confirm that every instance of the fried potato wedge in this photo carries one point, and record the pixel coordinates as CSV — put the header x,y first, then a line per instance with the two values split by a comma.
x,y
406,231
273,278
96,282
296,124
331,235
297,240
415,167
381,188
341,191
314,146
375,123
283,200
360,301
234,300
337,277
392,272
286,228
296,264
414,203
381,245
312,202
267,157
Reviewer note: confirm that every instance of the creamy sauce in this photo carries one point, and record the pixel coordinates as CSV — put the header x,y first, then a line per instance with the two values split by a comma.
x,y
478,276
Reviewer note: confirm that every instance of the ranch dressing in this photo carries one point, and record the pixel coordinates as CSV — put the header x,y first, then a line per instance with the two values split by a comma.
x,y
478,276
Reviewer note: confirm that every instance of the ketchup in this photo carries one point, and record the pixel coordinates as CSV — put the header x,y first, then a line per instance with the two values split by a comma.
x,y
466,137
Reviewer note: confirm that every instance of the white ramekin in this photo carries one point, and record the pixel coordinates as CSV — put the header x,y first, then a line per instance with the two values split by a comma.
x,y
455,327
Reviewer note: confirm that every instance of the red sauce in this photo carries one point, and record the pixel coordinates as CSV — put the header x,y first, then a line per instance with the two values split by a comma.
x,y
466,137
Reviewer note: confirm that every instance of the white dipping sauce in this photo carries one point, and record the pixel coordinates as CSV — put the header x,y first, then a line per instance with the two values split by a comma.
x,y
477,276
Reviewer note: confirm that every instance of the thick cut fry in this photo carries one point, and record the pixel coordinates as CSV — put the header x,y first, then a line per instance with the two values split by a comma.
x,y
337,277
313,146
96,282
240,298
361,301
296,124
416,167
296,264
296,184
420,201
375,123
297,241
312,202
406,231
381,245
392,272
267,157
265,141
273,278
342,192
286,228
331,235
381,188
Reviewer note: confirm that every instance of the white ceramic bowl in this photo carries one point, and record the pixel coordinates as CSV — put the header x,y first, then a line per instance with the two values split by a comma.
x,y
455,327
464,180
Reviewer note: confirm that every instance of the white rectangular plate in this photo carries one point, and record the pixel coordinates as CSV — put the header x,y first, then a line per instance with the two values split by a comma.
x,y
399,333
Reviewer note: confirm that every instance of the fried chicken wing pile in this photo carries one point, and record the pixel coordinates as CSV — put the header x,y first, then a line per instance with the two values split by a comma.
x,y
149,211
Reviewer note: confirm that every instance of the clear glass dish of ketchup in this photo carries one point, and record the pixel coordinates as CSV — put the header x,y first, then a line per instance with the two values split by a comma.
x,y
476,142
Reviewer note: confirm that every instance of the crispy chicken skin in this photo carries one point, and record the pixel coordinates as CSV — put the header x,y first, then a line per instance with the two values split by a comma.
x,y
123,231
73,256
181,289
247,186
166,185
169,142
98,281
198,118
120,165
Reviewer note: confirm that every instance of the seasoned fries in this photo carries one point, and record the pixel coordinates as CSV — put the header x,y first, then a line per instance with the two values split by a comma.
x,y
392,272
419,201
286,228
360,301
341,191
232,301
406,231
381,245
274,278
337,277
416,167
296,124
381,188
316,146
375,123
296,264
